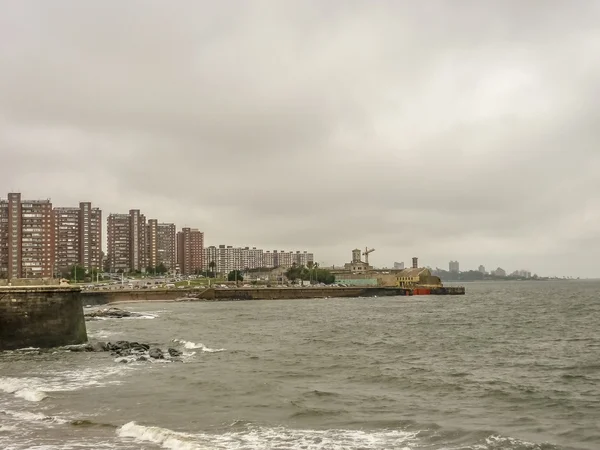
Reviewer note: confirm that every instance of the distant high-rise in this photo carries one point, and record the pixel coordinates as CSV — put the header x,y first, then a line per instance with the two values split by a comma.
x,y
227,258
26,238
190,251
118,237
137,240
162,244
482,269
127,242
78,237
454,266
398,266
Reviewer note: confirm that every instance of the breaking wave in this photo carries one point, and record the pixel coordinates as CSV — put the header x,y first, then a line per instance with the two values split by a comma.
x,y
258,437
192,345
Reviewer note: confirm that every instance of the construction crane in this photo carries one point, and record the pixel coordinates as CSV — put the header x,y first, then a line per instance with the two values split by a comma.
x,y
366,254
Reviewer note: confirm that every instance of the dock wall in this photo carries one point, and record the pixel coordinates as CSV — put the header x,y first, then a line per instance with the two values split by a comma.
x,y
94,298
40,316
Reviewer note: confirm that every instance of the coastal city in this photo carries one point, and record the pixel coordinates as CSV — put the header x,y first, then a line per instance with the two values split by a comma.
x,y
40,240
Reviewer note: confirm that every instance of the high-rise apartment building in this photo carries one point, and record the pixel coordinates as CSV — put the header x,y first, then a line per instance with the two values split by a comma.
x,y
127,243
454,266
78,237
162,244
118,236
190,251
227,258
90,236
138,249
66,238
26,238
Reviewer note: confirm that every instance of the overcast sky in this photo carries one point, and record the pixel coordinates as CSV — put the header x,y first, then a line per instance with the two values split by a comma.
x,y
454,129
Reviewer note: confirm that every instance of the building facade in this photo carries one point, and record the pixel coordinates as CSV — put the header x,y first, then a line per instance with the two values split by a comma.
x,y
26,238
190,251
454,266
227,258
118,236
77,237
162,244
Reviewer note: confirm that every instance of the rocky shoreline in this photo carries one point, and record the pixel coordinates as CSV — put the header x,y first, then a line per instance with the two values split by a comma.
x,y
111,313
126,351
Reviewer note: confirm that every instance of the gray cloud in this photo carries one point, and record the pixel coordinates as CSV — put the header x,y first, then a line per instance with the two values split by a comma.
x,y
450,130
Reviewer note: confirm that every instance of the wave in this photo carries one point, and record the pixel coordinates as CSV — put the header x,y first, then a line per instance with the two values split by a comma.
x,y
26,416
261,437
192,345
36,389
20,387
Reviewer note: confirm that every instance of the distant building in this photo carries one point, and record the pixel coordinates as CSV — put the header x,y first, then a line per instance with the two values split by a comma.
x,y
482,269
499,272
118,239
26,238
190,251
162,244
454,266
77,237
398,265
357,265
227,258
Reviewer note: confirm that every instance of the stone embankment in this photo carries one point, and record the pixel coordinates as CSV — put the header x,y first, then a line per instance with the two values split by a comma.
x,y
275,293
40,316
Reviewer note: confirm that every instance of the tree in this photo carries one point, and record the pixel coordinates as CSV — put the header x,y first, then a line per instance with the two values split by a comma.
x,y
77,273
235,275
294,272
161,269
212,265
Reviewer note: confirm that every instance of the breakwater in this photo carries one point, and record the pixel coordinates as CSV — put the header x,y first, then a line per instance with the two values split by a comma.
x,y
273,293
40,316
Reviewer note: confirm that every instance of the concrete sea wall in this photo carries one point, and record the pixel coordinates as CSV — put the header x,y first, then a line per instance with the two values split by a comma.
x,y
41,316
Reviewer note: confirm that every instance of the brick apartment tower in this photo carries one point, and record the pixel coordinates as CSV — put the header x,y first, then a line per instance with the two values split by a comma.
x,y
78,237
126,237
26,238
190,251
138,251
162,244
118,242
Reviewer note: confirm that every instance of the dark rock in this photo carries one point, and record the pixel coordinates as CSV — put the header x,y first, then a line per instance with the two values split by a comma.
x,y
142,358
156,353
174,352
75,348
114,313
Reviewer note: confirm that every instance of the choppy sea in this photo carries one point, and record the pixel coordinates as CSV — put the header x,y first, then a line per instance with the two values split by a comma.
x,y
507,366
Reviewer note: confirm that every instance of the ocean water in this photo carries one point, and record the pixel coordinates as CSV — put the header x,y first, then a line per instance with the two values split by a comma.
x,y
507,366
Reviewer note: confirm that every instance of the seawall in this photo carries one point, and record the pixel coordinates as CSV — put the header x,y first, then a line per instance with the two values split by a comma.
x,y
211,294
40,316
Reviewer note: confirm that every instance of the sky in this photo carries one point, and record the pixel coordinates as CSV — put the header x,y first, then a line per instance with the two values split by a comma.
x,y
448,130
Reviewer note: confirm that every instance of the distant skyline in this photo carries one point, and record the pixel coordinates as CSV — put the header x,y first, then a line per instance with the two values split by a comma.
x,y
445,130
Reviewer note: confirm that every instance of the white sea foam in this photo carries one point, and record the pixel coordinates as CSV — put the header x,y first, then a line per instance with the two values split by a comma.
x,y
26,416
23,388
35,389
192,345
258,437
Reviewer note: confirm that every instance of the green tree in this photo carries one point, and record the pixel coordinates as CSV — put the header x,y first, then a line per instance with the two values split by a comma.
x,y
161,269
324,276
77,273
235,275
212,265
294,272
